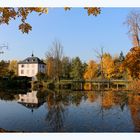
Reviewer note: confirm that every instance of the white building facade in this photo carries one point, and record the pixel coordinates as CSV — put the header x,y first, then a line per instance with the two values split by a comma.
x,y
29,98
31,66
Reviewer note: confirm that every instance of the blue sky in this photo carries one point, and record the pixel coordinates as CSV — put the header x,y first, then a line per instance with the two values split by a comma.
x,y
79,33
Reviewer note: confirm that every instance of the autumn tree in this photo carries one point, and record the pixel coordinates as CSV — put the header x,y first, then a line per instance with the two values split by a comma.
x,y
91,71
13,66
7,14
108,65
132,62
56,54
133,23
50,72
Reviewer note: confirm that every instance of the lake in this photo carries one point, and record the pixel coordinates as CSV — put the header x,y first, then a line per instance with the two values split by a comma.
x,y
70,111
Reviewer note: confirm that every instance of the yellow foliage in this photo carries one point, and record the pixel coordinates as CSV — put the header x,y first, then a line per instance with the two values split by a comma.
x,y
91,70
87,86
108,66
13,66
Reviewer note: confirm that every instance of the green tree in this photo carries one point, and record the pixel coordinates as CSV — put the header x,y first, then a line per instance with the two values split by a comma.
x,y
66,67
121,57
119,73
41,76
4,68
76,69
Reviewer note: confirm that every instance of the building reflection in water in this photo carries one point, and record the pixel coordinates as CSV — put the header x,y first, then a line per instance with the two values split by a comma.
x,y
30,100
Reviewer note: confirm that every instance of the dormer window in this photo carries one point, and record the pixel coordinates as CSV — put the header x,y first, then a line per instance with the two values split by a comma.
x,y
27,60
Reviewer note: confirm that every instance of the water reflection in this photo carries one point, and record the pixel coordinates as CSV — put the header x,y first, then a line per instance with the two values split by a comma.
x,y
91,96
30,100
8,96
55,106
134,104
71,111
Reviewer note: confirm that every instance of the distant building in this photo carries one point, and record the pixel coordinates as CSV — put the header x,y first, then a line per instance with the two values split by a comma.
x,y
30,67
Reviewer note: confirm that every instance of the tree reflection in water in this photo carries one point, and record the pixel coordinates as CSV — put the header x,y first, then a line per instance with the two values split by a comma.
x,y
64,107
55,116
91,96
77,97
8,96
56,104
134,105
111,98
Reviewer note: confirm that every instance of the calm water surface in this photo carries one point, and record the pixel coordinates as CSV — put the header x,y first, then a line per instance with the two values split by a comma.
x,y
68,111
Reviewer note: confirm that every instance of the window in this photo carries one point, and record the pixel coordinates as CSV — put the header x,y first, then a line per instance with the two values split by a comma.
x,y
33,65
27,65
22,71
22,65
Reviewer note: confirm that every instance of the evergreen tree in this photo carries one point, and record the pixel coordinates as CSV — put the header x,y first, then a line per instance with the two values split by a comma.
x,y
76,69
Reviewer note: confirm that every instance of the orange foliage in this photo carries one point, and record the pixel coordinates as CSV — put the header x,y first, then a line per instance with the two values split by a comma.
x,y
87,86
132,62
91,96
91,70
50,67
6,14
107,100
134,105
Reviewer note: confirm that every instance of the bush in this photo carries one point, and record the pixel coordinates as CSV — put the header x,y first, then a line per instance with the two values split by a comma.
x,y
41,76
